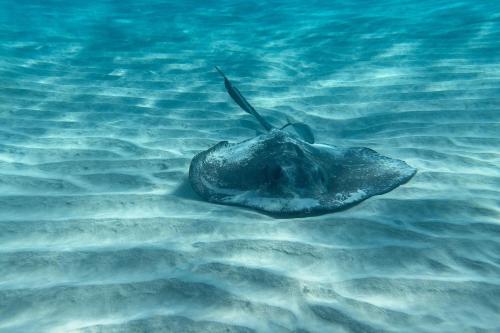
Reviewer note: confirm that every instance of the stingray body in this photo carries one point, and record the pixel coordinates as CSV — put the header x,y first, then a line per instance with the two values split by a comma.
x,y
287,175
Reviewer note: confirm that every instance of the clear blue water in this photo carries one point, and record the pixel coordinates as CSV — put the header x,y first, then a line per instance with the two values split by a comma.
x,y
104,103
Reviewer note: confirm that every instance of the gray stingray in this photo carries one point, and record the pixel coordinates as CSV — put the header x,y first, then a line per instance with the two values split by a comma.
x,y
288,175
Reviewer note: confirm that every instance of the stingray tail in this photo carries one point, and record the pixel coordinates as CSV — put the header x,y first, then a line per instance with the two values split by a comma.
x,y
242,102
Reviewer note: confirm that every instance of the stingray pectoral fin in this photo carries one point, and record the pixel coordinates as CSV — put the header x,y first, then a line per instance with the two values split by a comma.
x,y
241,101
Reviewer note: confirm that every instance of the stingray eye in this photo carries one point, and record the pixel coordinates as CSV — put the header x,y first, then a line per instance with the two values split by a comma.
x,y
322,177
274,173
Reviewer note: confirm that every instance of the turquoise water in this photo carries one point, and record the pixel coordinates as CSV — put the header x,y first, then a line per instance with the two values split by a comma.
x,y
104,103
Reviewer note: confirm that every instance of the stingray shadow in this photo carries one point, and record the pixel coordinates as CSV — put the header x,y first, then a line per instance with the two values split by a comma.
x,y
185,191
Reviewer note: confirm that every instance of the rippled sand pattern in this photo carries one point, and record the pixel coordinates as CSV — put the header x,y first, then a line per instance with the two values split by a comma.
x,y
104,103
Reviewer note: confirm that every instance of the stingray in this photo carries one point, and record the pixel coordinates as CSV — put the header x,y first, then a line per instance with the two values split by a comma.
x,y
285,173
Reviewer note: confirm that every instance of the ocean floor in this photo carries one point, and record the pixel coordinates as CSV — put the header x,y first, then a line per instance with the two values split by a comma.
x,y
104,103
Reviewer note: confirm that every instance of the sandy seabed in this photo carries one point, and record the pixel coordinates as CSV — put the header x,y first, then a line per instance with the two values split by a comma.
x,y
103,105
